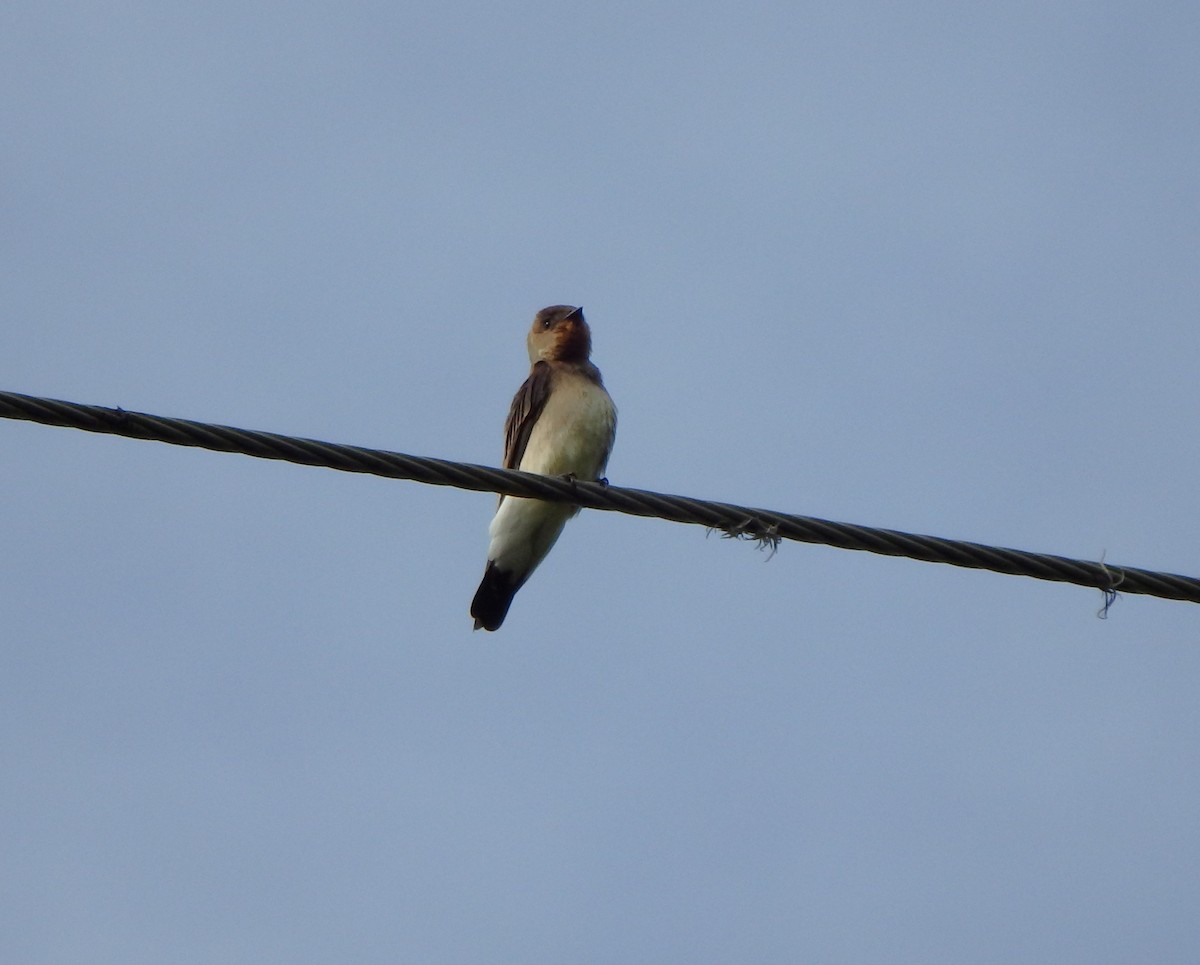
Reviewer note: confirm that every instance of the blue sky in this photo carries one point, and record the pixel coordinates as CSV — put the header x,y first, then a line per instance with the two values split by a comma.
x,y
928,266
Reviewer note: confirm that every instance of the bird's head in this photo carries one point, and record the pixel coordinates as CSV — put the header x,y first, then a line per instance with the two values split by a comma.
x,y
559,334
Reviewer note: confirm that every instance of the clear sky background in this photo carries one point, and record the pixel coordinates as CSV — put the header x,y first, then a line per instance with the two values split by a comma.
x,y
928,266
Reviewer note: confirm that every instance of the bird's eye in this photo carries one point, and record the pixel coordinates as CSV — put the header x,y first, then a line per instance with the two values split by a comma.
x,y
546,323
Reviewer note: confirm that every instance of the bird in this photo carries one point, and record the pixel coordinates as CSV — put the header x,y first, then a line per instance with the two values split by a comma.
x,y
562,423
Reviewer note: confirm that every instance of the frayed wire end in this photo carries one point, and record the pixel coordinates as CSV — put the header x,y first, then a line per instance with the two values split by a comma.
x,y
767,538
1112,581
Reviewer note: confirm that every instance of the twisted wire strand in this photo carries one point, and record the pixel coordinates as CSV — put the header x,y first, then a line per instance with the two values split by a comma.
x,y
742,522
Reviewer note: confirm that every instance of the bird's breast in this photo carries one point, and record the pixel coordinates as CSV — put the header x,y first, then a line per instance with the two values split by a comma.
x,y
574,432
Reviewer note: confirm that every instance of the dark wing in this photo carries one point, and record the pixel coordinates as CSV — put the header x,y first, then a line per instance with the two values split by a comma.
x,y
527,405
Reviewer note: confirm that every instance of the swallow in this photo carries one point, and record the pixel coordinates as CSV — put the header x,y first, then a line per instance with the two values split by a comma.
x,y
561,423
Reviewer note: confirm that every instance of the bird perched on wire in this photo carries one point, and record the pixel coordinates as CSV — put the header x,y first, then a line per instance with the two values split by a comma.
x,y
562,423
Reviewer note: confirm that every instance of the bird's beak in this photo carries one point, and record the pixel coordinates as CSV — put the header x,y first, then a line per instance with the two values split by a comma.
x,y
578,313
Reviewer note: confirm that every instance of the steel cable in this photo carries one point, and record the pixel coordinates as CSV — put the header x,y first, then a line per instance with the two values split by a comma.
x,y
741,522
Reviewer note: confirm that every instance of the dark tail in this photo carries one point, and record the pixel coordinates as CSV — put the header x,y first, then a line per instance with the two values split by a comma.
x,y
493,598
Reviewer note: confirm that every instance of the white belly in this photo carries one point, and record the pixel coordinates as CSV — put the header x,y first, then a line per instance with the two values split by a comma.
x,y
573,434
